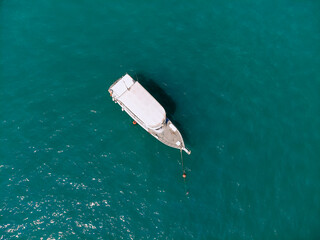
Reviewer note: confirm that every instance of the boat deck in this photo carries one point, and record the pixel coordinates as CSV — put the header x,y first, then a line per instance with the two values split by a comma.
x,y
170,136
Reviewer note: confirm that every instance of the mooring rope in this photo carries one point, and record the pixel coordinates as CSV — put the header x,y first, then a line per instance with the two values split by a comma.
x,y
181,159
184,175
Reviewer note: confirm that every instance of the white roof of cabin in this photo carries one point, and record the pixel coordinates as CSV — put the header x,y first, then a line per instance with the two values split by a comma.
x,y
139,101
122,85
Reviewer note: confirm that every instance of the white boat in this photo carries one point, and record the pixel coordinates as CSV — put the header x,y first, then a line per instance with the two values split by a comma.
x,y
146,111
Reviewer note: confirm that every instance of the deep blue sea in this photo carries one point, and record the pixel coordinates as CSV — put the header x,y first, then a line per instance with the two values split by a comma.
x,y
240,79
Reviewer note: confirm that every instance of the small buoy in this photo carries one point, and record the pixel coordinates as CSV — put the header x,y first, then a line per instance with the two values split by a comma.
x,y
184,175
134,122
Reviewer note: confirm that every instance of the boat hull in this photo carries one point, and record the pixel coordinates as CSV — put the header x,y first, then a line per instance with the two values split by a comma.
x,y
165,131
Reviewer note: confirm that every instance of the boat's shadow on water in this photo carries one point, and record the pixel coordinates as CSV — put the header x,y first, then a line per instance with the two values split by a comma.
x,y
163,98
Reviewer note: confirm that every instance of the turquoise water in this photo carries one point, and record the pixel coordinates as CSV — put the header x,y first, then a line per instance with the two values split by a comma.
x,y
241,80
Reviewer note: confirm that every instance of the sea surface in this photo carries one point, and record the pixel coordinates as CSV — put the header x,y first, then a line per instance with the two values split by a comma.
x,y
240,79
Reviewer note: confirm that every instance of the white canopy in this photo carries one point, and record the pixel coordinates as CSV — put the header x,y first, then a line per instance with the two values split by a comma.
x,y
140,102
122,85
